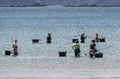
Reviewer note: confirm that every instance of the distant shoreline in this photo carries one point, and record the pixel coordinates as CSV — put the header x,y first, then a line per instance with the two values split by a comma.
x,y
92,5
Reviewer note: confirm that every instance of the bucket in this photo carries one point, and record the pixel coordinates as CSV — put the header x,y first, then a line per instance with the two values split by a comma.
x,y
99,55
102,39
7,52
62,54
35,40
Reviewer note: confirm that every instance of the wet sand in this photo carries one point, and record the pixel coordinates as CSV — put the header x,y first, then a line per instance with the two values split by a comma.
x,y
59,68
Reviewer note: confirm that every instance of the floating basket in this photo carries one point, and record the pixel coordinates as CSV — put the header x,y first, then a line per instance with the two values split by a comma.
x,y
35,40
62,54
102,39
99,55
7,52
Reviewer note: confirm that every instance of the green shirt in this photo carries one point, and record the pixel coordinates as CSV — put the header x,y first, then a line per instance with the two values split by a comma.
x,y
76,46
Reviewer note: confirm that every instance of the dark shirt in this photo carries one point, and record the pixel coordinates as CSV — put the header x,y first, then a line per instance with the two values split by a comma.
x,y
49,39
82,39
92,46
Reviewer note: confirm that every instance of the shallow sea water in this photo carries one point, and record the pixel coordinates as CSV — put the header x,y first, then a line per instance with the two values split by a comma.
x,y
42,60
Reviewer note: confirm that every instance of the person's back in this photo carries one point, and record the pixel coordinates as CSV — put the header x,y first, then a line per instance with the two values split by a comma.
x,y
96,37
93,49
49,38
92,45
83,37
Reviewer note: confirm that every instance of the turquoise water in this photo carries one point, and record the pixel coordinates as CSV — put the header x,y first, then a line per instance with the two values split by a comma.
x,y
64,23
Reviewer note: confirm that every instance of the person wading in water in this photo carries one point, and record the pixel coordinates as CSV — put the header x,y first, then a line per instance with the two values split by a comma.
x,y
93,49
15,47
49,38
83,37
97,38
76,48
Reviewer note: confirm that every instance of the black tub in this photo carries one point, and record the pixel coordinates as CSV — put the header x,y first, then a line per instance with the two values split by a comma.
x,y
62,54
7,52
102,39
99,55
35,40
96,55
